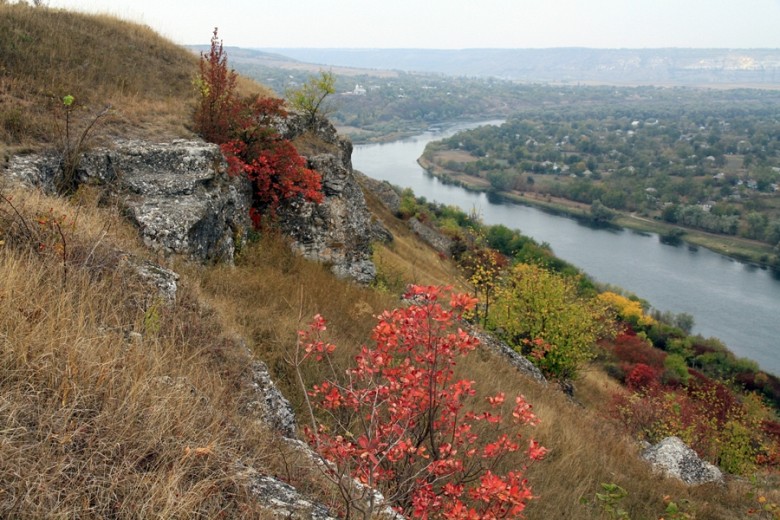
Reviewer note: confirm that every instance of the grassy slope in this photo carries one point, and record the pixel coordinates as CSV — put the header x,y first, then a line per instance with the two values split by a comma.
x,y
98,422
101,61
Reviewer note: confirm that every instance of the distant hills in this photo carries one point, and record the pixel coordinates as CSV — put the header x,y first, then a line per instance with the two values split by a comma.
x,y
720,67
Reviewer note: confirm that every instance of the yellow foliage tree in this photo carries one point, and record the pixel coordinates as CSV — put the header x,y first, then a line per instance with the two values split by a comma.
x,y
628,310
484,268
541,313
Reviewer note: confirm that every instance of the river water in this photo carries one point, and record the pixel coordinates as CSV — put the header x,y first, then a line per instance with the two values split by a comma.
x,y
735,302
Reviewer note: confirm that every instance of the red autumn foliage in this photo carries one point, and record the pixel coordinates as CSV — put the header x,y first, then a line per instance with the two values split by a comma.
x,y
717,398
632,349
771,428
766,384
267,159
657,413
401,422
217,85
701,349
705,413
245,131
642,377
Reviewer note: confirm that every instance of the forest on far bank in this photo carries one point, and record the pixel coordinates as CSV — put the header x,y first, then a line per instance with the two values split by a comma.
x,y
708,166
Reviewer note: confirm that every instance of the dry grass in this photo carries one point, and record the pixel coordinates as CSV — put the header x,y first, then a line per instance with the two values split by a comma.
x,y
271,293
112,403
96,422
309,144
100,60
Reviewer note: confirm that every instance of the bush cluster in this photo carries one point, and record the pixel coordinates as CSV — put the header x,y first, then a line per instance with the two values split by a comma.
x,y
245,130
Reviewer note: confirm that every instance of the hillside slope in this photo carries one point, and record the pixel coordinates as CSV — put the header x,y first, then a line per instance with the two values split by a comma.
x,y
116,404
100,60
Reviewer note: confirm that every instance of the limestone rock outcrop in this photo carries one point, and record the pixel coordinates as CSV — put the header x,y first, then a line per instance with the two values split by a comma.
x,y
383,190
177,193
675,459
390,198
283,501
339,231
183,202
435,239
268,402
163,280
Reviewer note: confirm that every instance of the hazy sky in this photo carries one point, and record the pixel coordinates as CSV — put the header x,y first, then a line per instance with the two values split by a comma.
x,y
455,24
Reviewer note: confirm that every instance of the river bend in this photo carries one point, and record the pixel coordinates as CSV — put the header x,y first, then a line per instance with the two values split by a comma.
x,y
736,302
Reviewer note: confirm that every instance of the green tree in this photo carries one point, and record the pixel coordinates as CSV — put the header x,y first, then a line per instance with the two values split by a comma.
x,y
501,180
684,322
756,225
309,97
541,313
773,232
601,213
676,369
408,206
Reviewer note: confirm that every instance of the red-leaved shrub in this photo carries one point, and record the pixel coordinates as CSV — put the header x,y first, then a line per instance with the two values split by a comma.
x,y
705,414
642,377
633,349
400,422
245,130
217,88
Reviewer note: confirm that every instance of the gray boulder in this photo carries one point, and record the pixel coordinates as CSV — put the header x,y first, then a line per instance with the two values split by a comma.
x,y
675,459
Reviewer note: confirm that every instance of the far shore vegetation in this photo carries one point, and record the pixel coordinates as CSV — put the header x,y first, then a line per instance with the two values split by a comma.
x,y
742,249
692,164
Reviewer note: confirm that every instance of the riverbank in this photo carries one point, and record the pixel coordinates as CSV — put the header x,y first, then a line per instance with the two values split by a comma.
x,y
738,248
360,136
728,300
402,130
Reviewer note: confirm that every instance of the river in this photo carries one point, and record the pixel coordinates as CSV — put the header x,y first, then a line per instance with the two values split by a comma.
x,y
735,302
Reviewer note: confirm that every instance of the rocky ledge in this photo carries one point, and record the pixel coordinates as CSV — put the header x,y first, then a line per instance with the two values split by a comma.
x,y
183,202
177,193
339,231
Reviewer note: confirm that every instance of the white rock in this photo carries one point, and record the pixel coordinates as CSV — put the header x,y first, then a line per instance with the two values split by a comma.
x,y
673,457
